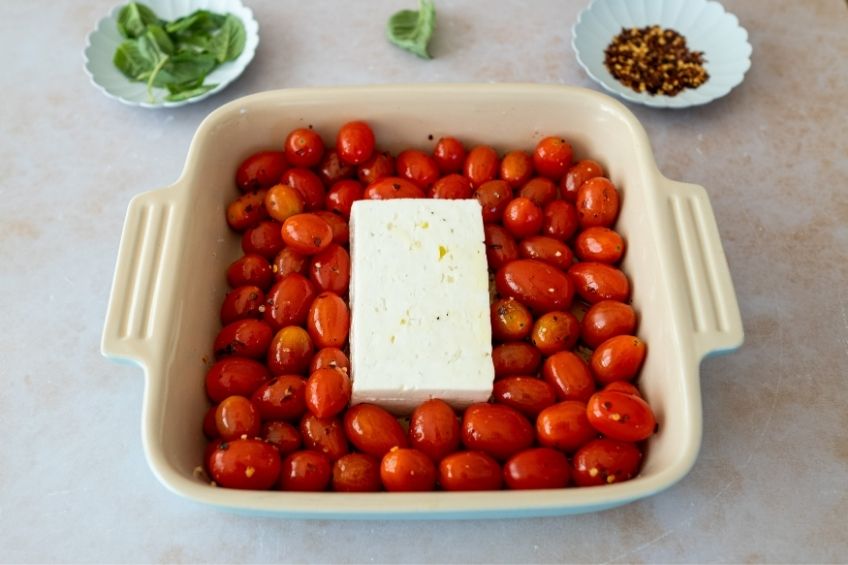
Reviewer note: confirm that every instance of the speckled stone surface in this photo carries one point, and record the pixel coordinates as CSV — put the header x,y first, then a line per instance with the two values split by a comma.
x,y
771,483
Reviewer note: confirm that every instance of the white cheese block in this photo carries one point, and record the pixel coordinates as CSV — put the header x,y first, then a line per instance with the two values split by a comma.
x,y
419,295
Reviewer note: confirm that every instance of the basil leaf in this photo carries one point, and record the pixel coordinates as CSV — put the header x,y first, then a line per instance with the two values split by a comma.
x,y
185,67
201,21
229,42
176,88
131,61
134,18
191,93
157,36
412,30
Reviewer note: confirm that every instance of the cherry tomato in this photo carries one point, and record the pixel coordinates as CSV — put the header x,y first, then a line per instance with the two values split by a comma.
x,y
263,239
528,395
496,429
596,281
516,168
552,157
515,358
559,220
327,392
260,170
623,386
579,173
304,148
380,165
282,201
328,320
288,261
250,270
282,435
307,233
597,203
330,357
332,170
564,426
341,230
305,471
330,269
540,191
356,472
569,375
618,359
355,142
392,187
449,154
247,210
417,167
325,435
372,430
606,319
242,302
551,251
511,320
536,468
602,245
234,376
342,195
210,427
288,301
452,187
290,351
236,416
621,416
245,464
281,398
555,331
407,470
481,165
493,196
537,285
606,461
501,248
243,338
469,470
522,217
434,429
308,184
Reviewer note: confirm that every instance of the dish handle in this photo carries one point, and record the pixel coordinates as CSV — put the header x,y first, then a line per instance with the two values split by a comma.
x,y
137,302
716,321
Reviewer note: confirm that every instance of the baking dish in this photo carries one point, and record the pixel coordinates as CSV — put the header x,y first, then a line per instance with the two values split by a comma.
x,y
175,247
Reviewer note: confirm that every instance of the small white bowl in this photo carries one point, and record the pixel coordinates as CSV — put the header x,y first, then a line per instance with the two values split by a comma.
x,y
706,26
101,43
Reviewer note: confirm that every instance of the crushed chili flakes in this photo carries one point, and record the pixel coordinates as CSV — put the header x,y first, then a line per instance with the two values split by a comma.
x,y
654,60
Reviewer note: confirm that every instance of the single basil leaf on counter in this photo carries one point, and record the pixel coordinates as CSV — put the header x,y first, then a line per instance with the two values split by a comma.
x,y
185,67
201,21
412,30
134,18
131,61
229,42
186,94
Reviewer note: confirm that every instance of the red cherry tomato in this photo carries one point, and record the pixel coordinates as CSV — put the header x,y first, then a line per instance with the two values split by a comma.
x,y
355,142
540,191
623,386
327,392
452,187
511,320
243,338
596,281
247,210
551,251
449,154
469,470
307,184
516,168
515,358
569,375
552,157
260,170
597,203
263,239
288,301
538,285
288,261
250,270
342,195
493,196
522,217
621,416
392,187
330,269
282,201
210,427
244,464
606,461
304,148
234,376
618,359
481,165
559,220
434,429
407,470
501,248
356,472
528,395
305,471
330,357
242,302
281,398
606,319
307,234
236,416
341,230
380,165
540,467
332,169
282,435
325,435
290,351
328,321
579,173
555,331
564,426
417,167
496,429
373,430
602,245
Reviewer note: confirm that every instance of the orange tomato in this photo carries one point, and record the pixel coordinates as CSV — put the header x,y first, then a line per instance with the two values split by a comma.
x,y
599,244
282,201
511,320
307,234
290,351
247,210
516,168
555,331
327,392
237,416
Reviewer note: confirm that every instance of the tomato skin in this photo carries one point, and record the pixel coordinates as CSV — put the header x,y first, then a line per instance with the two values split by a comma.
x,y
330,269
418,167
245,464
501,248
332,358
528,395
263,239
332,169
250,270
260,170
434,429
356,472
560,220
552,157
511,320
303,147
392,187
481,165
469,470
287,262
380,165
355,142
243,338
290,351
327,392
452,187
449,154
493,196
282,201
624,387
495,429
328,320
579,173
210,427
618,359
307,184
342,195
596,281
288,301
516,168
540,191
522,217
606,461
537,468
307,234
607,319
535,284
247,210
282,435
547,249
234,376
281,398
325,435
236,416
555,331
569,376
305,471
340,227
564,426
373,430
242,302
407,470
597,203
515,358
598,244
621,416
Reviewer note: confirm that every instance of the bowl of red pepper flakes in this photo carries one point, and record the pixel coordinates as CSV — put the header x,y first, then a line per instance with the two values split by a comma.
x,y
662,53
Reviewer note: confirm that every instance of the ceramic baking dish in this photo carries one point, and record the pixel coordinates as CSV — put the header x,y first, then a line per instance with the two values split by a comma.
x,y
169,280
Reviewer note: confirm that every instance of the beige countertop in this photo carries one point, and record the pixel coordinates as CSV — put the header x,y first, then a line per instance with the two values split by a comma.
x,y
771,482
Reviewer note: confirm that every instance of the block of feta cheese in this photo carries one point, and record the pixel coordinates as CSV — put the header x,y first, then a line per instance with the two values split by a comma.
x,y
419,295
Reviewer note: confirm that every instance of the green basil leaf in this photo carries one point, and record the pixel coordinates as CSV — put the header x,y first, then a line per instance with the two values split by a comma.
x,y
157,36
229,42
191,93
201,21
132,61
134,18
185,67
176,88
412,30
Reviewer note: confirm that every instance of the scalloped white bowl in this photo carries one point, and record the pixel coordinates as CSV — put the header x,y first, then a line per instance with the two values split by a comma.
x,y
101,44
705,24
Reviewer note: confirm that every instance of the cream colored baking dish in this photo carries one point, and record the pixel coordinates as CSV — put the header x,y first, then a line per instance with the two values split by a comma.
x,y
175,247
